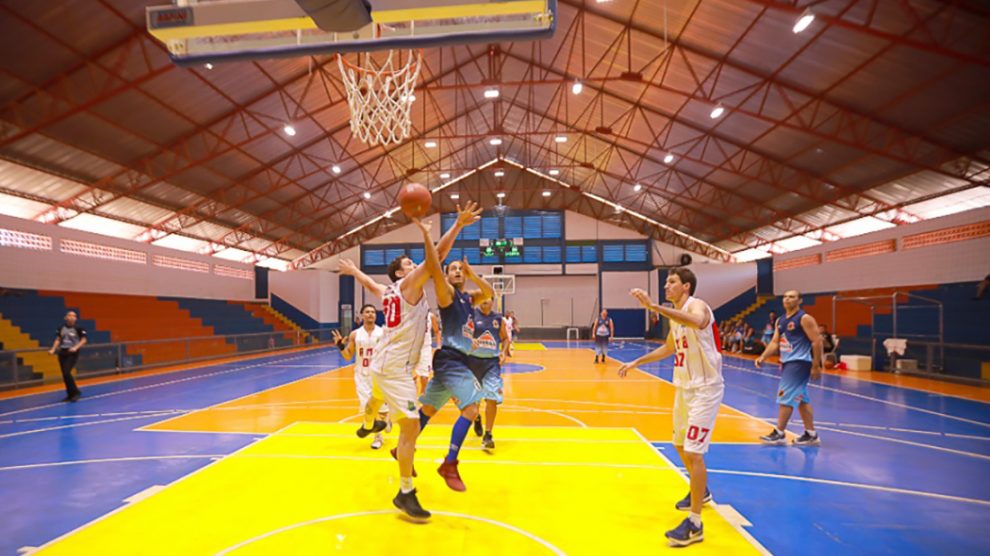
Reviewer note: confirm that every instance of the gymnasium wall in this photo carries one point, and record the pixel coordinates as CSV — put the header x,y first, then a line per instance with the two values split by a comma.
x,y
862,263
720,283
312,292
151,273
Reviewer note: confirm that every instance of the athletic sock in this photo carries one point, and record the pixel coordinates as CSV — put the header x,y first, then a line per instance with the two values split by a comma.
x,y
457,436
811,432
423,420
695,519
405,485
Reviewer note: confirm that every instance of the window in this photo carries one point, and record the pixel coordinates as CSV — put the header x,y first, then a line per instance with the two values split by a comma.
x,y
180,264
613,253
636,253
392,253
551,254
473,255
553,225
582,254
489,227
513,226
532,254
230,272
532,227
24,240
98,251
374,257
456,254
417,254
626,252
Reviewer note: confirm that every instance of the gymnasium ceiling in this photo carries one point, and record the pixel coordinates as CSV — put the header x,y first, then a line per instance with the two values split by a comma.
x,y
875,116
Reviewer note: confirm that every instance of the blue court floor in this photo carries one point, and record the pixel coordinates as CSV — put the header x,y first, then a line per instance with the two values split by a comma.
x,y
900,471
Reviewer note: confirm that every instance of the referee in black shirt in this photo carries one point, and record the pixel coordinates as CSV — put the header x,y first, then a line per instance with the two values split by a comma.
x,y
69,338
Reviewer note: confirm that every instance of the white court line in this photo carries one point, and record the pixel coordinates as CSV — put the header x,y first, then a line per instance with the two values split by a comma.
x,y
106,460
125,506
728,513
854,485
158,384
892,429
871,398
77,425
501,438
211,406
88,415
908,443
391,461
525,409
512,528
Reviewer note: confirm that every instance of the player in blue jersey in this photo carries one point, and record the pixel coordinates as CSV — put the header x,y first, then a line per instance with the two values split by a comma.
x,y
452,376
796,336
489,349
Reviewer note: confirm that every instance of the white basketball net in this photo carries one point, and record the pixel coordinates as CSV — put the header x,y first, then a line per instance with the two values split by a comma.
x,y
380,96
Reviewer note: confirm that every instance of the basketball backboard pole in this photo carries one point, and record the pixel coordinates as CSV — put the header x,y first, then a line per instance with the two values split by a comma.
x,y
231,30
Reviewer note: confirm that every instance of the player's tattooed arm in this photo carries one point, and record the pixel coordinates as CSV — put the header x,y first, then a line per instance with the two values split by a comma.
x,y
432,269
466,216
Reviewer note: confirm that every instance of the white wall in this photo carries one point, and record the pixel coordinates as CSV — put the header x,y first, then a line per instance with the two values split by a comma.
x,y
718,283
616,286
554,300
314,292
54,270
961,261
580,227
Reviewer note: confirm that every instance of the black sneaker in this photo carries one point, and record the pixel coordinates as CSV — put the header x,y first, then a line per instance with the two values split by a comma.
x,y
75,397
808,440
409,505
379,426
478,429
488,442
684,504
775,437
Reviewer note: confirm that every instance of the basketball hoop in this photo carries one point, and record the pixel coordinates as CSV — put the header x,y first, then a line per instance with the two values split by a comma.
x,y
503,285
380,96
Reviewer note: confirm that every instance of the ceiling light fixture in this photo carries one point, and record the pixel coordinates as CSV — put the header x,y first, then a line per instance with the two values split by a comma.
x,y
491,93
546,193
555,172
637,188
494,141
804,21
455,196
500,195
336,169
444,176
289,130
430,144
717,111
560,138
208,66
577,87
499,173
367,195
668,159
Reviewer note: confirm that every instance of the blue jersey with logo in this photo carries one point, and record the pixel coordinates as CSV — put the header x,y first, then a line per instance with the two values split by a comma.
x,y
487,334
602,328
794,343
457,323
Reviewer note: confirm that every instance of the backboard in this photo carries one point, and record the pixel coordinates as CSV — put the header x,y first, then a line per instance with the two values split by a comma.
x,y
210,31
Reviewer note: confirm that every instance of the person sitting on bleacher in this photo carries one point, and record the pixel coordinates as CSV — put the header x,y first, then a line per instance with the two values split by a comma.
x,y
751,343
830,347
769,327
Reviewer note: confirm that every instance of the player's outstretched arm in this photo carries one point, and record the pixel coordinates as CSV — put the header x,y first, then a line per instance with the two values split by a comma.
x,y
348,268
662,352
485,291
466,216
431,268
346,346
694,315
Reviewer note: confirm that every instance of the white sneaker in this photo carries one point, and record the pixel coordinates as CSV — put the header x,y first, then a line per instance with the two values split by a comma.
x,y
377,442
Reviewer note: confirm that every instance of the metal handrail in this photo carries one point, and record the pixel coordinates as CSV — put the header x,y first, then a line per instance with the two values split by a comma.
x,y
296,337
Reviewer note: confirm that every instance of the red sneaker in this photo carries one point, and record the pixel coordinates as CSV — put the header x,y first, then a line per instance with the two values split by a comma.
x,y
395,456
448,470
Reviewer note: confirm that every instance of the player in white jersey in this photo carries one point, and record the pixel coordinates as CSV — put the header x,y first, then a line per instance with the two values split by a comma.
x,y
399,351
362,344
695,345
425,367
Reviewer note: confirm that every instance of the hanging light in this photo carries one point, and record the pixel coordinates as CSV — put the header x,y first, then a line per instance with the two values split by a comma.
x,y
717,111
637,188
804,21
577,87
495,141
289,130
560,139
444,176
555,172
491,93
499,173
367,194
668,159
336,169
455,196
430,144
546,193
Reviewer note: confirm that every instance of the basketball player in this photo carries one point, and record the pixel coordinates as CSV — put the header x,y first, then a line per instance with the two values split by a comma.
x,y
452,376
363,343
800,345
694,343
604,330
424,370
489,349
398,351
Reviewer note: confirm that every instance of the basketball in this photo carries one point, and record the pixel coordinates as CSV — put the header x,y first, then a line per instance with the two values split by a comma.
x,y
415,200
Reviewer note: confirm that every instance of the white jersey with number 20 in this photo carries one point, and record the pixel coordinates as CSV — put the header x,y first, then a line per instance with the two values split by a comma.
x,y
698,353
404,330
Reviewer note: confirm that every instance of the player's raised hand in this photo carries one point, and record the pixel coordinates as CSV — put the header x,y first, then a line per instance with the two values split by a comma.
x,y
642,297
347,267
468,215
624,369
337,338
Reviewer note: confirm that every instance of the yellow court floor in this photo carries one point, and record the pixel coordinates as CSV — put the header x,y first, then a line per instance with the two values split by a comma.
x,y
566,389
313,488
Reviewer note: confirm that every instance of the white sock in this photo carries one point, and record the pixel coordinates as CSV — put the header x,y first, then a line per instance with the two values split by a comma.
x,y
405,485
811,432
695,519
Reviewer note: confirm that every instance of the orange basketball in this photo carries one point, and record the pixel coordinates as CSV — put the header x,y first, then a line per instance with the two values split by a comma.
x,y
415,200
